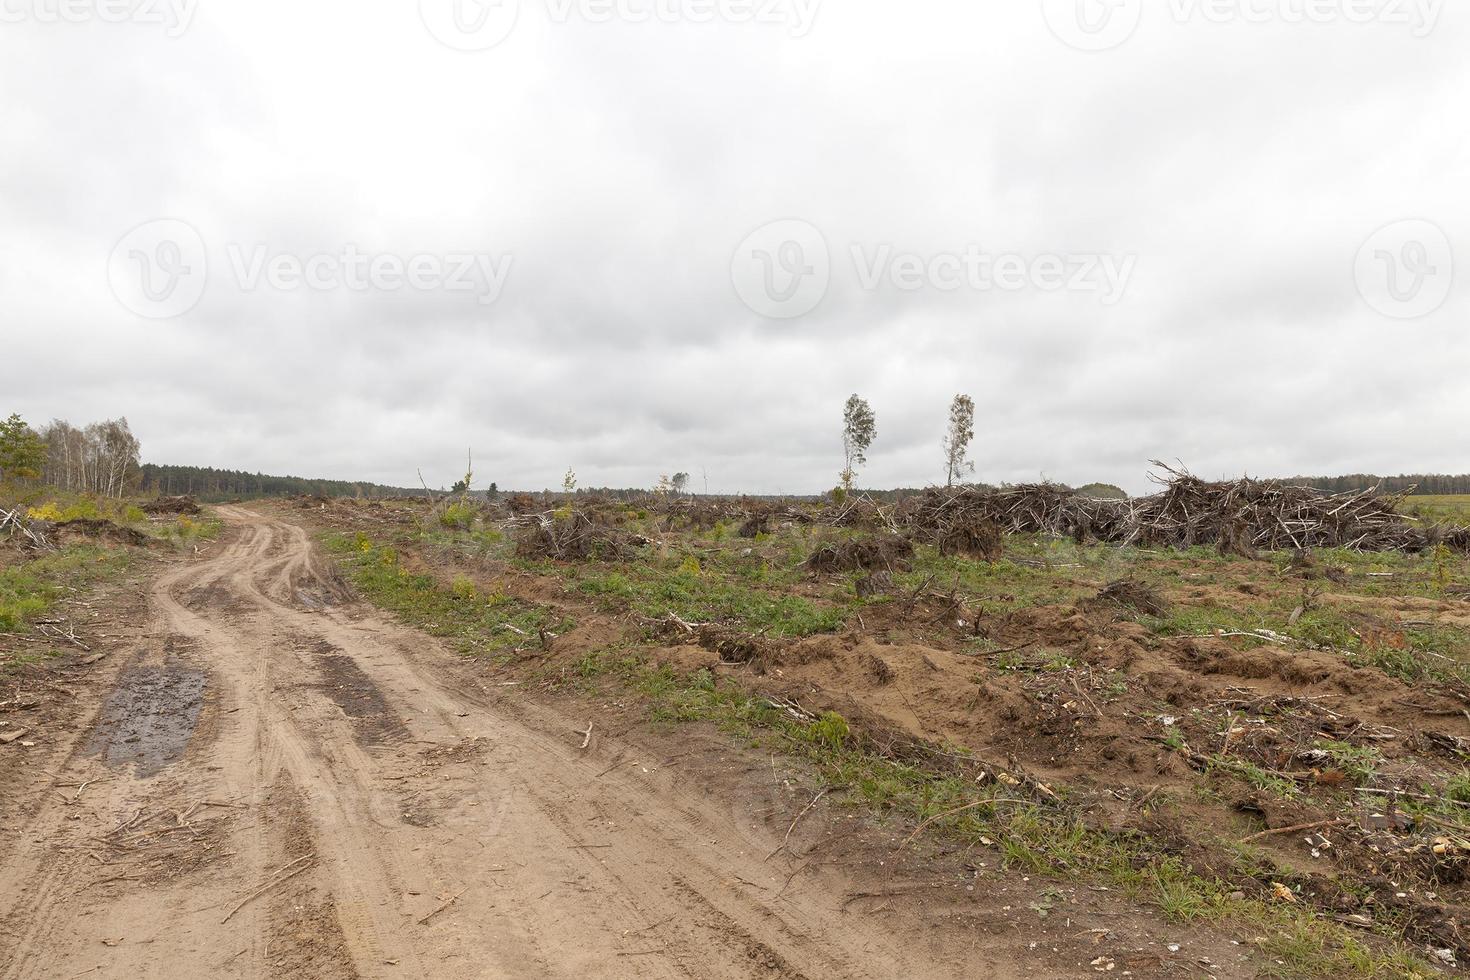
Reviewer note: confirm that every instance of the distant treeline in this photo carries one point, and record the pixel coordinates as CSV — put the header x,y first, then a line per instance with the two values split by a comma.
x,y
210,484
1437,484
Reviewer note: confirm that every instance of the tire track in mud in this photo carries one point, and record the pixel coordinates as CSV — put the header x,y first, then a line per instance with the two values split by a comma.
x,y
523,856
328,768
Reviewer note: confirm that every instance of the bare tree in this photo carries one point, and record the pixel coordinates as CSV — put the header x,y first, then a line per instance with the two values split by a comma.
x,y
102,458
859,429
680,482
957,440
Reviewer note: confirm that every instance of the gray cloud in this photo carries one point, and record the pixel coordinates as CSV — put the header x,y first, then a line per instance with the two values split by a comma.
x,y
621,164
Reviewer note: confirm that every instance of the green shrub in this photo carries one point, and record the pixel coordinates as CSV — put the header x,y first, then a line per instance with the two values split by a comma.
x,y
460,515
829,731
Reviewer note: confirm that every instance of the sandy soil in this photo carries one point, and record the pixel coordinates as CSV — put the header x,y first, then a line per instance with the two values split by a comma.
x,y
279,785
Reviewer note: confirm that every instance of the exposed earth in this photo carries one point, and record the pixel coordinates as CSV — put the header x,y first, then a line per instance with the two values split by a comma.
x,y
251,772
275,787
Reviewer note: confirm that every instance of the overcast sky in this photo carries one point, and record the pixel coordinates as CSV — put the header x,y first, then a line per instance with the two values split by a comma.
x,y
350,239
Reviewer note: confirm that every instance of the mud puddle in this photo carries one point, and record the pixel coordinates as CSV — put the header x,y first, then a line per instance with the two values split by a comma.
x,y
212,597
373,721
149,717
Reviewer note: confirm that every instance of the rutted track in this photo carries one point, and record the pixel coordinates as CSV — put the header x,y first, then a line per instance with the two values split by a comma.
x,y
441,836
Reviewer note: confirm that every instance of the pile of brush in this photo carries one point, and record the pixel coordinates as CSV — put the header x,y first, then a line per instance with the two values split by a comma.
x,y
1241,516
886,553
15,524
182,504
1236,516
572,536
1029,508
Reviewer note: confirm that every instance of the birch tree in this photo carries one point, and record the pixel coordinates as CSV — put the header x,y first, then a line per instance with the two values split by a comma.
x,y
957,440
102,458
859,429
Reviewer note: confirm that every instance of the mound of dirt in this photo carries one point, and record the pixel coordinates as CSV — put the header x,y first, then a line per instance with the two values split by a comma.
x,y
319,587
737,647
183,504
1130,593
102,530
886,553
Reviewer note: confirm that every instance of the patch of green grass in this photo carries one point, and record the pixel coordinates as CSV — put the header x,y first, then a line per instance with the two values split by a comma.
x,y
1434,654
187,532
458,515
30,589
1298,947
715,579
1011,583
29,658
477,623
23,597
1255,777
1203,620
1453,508
703,594
1042,660
27,590
1325,630
1358,763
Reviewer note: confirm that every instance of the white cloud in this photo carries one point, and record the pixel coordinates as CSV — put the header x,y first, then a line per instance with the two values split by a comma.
x,y
620,164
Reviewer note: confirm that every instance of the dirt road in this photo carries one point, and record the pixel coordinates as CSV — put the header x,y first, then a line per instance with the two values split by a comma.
x,y
279,785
